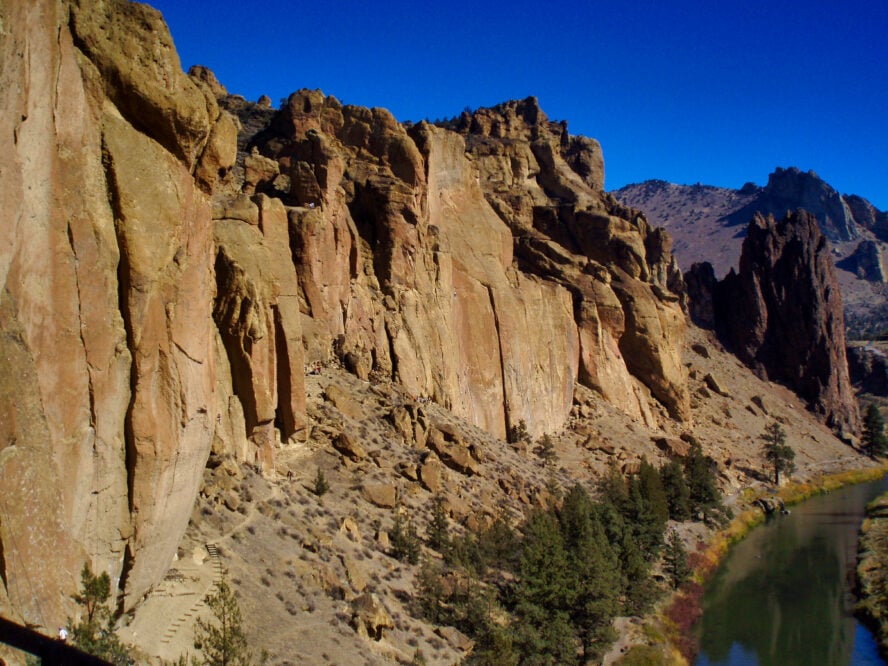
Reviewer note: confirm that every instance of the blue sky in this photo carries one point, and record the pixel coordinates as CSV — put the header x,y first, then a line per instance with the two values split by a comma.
x,y
686,91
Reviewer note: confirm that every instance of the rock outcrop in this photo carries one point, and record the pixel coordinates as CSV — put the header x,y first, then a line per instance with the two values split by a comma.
x,y
868,367
782,314
478,263
168,266
867,262
106,267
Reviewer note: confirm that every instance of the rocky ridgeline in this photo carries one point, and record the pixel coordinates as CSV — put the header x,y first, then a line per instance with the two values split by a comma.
x,y
163,290
708,223
781,313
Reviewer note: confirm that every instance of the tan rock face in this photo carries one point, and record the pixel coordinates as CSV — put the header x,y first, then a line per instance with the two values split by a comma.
x,y
478,265
106,260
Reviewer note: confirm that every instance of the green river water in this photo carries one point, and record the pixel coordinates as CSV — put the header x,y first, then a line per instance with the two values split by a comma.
x,y
784,595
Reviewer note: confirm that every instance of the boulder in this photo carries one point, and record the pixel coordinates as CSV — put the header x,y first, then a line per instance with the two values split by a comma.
x,y
347,444
383,495
369,617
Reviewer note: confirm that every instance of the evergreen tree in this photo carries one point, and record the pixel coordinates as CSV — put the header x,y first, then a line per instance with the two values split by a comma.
x,y
519,433
547,450
95,631
543,595
698,469
404,540
430,591
675,560
222,641
777,452
594,571
678,495
875,443
651,487
493,647
321,486
438,532
613,489
646,521
497,544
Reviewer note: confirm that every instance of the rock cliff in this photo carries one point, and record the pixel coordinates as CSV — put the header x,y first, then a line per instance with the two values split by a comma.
x,y
106,264
781,313
708,225
168,269
478,263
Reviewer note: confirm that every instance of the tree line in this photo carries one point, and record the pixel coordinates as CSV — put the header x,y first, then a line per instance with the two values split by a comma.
x,y
547,590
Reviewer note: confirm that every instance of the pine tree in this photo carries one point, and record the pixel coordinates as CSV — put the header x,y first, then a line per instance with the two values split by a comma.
x,y
543,595
438,532
547,450
222,641
652,490
519,433
875,443
675,560
493,647
613,489
594,571
777,452
95,631
430,591
404,540
701,479
646,521
678,495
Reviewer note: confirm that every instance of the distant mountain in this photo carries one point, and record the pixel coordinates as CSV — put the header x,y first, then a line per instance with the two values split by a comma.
x,y
708,224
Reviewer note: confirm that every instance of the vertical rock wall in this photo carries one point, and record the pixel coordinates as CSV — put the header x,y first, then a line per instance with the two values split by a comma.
x,y
106,264
159,301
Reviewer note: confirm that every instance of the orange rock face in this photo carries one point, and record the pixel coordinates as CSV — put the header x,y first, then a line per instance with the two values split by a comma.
x,y
164,282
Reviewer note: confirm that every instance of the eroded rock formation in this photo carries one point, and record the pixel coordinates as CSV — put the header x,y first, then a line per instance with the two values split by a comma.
x,y
167,269
782,313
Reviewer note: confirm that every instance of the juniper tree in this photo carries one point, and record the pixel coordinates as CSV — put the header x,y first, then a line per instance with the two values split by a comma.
x,y
700,478
94,633
321,485
594,572
404,540
543,594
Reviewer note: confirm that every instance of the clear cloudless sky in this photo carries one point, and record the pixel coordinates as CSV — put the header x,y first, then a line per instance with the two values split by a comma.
x,y
718,92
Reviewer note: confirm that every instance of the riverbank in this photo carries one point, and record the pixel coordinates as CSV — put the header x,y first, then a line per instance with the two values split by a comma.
x,y
872,571
674,619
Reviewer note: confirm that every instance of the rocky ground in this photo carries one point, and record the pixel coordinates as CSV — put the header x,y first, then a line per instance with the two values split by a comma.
x,y
313,574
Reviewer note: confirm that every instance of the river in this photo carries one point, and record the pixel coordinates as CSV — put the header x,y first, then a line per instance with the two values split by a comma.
x,y
784,595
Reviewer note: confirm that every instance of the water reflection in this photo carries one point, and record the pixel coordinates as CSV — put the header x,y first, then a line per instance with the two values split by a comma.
x,y
782,595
